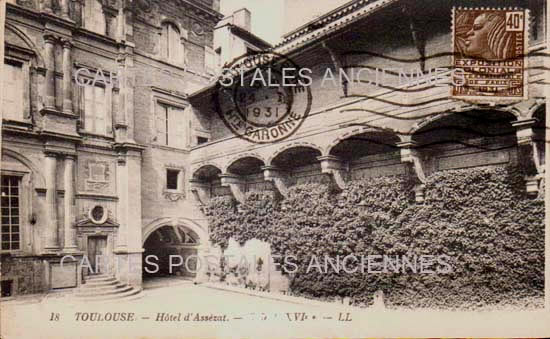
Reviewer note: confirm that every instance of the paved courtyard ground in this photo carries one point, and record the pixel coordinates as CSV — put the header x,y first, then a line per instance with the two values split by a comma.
x,y
184,310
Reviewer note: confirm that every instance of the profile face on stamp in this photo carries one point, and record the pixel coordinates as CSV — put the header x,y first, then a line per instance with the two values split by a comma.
x,y
487,39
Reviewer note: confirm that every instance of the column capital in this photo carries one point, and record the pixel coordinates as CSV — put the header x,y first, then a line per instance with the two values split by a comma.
x,y
67,43
50,38
52,154
336,168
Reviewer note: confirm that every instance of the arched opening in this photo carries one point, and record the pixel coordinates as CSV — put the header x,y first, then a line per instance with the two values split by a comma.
x,y
170,252
369,154
249,169
301,164
208,177
468,139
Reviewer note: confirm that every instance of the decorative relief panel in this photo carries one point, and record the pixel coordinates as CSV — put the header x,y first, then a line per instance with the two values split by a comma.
x,y
147,11
96,175
173,196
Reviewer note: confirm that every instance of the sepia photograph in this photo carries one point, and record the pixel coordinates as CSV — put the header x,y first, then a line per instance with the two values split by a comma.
x,y
274,169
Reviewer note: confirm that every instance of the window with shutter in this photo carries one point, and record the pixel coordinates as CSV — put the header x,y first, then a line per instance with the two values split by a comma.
x,y
95,110
94,18
177,126
170,126
173,49
161,124
13,92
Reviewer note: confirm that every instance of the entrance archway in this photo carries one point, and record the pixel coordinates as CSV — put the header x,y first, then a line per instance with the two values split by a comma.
x,y
170,249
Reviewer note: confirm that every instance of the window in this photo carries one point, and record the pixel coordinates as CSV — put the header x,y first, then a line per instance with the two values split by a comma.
x,y
6,287
170,126
172,48
201,140
95,110
13,91
10,207
172,179
94,19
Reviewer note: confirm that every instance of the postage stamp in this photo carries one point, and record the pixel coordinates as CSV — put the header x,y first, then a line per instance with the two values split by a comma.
x,y
263,98
490,47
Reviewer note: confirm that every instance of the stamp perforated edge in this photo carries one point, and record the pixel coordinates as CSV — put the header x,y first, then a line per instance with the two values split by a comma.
x,y
527,34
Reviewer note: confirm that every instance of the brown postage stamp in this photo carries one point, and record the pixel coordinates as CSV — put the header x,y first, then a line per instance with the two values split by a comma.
x,y
490,49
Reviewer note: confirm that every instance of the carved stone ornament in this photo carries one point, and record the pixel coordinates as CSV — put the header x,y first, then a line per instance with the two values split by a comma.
x,y
197,28
97,173
97,215
144,5
174,196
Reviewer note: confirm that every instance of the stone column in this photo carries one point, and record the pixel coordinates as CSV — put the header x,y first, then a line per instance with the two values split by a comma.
x,y
49,55
121,22
69,244
51,234
67,77
122,206
64,9
129,235
528,154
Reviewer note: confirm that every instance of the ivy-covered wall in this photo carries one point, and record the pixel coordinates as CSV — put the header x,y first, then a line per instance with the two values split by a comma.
x,y
480,218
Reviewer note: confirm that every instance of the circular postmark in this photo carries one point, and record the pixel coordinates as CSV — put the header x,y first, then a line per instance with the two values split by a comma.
x,y
263,97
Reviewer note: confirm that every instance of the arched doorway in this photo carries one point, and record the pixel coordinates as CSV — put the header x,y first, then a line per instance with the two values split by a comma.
x,y
170,250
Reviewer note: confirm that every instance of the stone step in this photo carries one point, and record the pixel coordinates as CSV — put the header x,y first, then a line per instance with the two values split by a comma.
x,y
102,277
101,288
100,293
100,283
130,294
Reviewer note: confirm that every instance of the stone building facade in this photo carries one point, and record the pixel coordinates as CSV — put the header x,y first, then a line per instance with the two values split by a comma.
x,y
97,132
120,167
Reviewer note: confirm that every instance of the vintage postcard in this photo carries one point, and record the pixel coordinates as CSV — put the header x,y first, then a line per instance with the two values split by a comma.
x,y
274,169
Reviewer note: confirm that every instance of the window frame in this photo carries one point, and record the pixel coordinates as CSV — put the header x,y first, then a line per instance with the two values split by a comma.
x,y
25,64
24,195
90,22
179,179
170,99
110,90
176,43
174,195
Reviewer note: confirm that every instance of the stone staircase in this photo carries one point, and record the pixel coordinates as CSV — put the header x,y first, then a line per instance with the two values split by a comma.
x,y
104,287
